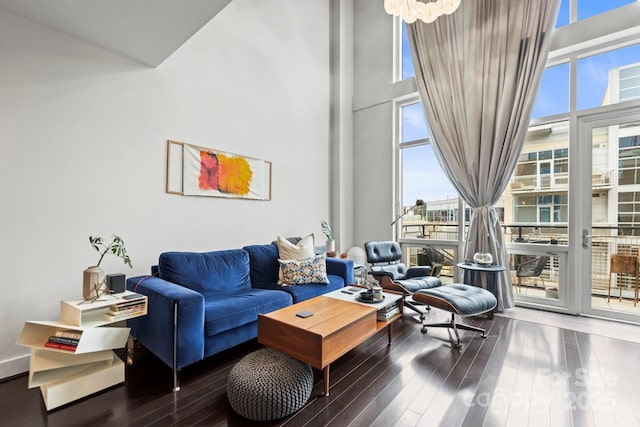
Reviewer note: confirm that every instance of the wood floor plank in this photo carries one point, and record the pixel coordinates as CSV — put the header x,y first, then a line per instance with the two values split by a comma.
x,y
477,411
391,381
580,414
419,379
611,397
623,383
360,389
497,400
466,394
559,407
413,378
521,395
592,376
352,370
446,396
543,364
434,363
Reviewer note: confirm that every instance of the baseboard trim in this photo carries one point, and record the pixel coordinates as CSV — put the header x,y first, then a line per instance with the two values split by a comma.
x,y
14,367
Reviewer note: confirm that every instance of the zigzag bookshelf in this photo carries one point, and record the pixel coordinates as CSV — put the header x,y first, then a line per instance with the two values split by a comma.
x,y
73,357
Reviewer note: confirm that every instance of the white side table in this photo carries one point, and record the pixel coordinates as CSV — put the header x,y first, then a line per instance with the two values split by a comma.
x,y
65,375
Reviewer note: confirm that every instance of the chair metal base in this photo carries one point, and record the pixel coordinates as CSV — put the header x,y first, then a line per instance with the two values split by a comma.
x,y
455,326
413,306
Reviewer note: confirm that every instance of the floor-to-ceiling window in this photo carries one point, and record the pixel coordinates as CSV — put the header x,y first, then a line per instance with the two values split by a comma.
x,y
423,179
584,77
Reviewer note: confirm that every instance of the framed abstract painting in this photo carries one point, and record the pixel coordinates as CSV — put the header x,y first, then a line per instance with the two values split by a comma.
x,y
200,171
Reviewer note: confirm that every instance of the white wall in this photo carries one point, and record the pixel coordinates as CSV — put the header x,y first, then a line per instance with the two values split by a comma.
x,y
83,134
374,153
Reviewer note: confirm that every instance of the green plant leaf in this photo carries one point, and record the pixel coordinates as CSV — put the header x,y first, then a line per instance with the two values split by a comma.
x,y
116,247
326,229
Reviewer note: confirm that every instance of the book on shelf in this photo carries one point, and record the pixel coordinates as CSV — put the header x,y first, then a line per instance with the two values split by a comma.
x,y
117,309
68,333
385,316
388,308
64,340
127,310
127,304
60,346
122,315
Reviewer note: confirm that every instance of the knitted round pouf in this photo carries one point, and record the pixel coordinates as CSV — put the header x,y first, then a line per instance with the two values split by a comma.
x,y
266,385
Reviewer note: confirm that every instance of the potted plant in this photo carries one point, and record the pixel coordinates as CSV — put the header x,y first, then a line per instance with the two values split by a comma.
x,y
326,229
93,284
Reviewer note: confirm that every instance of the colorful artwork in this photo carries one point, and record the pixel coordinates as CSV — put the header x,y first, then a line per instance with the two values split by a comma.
x,y
230,175
207,172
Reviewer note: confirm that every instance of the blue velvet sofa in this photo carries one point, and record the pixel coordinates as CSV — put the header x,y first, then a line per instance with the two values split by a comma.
x,y
203,303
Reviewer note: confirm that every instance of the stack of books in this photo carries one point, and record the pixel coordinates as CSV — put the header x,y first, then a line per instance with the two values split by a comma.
x,y
126,309
64,340
388,312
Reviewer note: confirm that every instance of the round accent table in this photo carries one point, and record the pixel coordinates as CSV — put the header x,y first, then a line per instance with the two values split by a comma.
x,y
266,385
471,271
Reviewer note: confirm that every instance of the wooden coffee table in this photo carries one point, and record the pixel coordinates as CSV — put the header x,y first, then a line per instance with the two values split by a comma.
x,y
336,327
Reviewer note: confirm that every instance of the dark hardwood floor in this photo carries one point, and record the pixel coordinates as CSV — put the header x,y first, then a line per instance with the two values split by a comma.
x,y
523,374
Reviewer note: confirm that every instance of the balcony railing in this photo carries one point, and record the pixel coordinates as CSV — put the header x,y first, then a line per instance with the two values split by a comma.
x,y
558,181
606,240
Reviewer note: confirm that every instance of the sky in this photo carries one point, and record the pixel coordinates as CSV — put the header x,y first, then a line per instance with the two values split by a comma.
x,y
430,183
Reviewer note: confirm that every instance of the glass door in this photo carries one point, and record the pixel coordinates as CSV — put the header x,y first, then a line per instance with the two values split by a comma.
x,y
605,249
544,172
536,219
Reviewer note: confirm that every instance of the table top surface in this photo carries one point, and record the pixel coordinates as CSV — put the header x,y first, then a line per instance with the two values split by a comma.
x,y
478,267
331,311
341,294
329,315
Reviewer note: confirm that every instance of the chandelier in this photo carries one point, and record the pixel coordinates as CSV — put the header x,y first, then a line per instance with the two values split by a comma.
x,y
410,10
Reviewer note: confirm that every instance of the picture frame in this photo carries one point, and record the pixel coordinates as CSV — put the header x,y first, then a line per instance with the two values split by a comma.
x,y
193,170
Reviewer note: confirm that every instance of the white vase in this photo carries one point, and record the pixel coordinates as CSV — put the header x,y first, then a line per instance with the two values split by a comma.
x,y
93,283
331,245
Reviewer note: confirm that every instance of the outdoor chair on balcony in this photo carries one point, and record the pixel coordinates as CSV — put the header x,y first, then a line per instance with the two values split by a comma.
x,y
385,266
434,258
624,264
530,268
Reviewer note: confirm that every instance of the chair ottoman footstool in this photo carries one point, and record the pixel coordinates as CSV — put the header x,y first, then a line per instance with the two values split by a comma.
x,y
267,384
463,300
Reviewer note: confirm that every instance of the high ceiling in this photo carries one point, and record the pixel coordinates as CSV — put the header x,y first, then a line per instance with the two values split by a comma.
x,y
146,30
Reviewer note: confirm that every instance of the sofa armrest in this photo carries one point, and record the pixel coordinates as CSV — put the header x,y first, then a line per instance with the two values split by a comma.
x,y
341,267
156,330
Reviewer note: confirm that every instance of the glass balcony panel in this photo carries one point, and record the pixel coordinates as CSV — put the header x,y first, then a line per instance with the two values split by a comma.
x,y
535,275
441,260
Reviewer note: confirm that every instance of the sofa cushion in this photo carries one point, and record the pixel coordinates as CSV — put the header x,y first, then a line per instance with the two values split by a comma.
x,y
304,292
263,262
302,249
210,273
288,251
304,271
226,312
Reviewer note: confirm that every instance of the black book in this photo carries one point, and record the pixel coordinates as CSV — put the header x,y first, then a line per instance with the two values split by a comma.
x,y
63,340
388,308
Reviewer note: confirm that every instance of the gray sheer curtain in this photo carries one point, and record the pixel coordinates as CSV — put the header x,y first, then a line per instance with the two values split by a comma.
x,y
478,72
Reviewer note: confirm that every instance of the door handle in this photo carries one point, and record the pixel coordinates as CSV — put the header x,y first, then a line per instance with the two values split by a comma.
x,y
585,239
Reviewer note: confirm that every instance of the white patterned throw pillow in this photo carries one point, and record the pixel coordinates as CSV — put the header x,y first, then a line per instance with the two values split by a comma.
x,y
287,251
303,271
